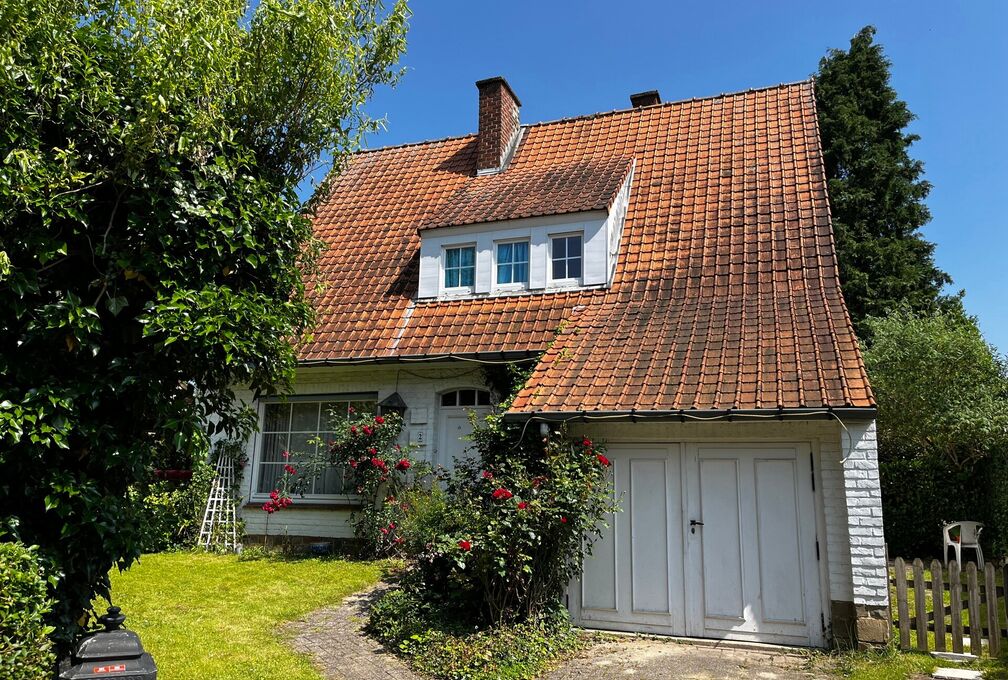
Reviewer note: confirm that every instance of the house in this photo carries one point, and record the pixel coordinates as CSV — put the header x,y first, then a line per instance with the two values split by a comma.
x,y
670,268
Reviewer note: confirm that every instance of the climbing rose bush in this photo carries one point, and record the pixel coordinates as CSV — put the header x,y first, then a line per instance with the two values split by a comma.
x,y
516,526
381,471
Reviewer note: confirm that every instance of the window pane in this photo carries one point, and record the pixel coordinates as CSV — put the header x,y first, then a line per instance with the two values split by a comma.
x,y
504,273
467,257
466,276
467,397
451,278
331,481
521,251
519,273
448,399
559,248
277,418
573,246
269,473
559,269
504,253
483,398
333,413
574,267
302,447
273,446
452,257
305,417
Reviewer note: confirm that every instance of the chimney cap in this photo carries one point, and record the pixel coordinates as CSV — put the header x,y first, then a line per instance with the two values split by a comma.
x,y
487,82
649,98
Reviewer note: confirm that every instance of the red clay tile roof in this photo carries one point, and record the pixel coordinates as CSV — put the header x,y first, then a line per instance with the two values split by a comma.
x,y
533,190
726,293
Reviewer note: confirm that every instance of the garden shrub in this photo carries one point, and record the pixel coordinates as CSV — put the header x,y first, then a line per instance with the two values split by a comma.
x,y
26,653
437,644
172,510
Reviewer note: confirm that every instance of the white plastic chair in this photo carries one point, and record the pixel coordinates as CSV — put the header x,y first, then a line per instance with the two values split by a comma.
x,y
969,537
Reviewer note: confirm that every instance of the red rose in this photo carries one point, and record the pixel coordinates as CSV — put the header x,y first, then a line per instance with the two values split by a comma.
x,y
372,450
502,494
289,469
274,494
384,530
602,459
268,508
402,465
522,505
399,540
391,525
379,420
353,429
586,443
368,431
465,545
285,454
487,474
563,520
353,463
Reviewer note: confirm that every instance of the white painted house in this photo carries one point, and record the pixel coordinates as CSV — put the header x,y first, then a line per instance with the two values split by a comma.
x,y
670,269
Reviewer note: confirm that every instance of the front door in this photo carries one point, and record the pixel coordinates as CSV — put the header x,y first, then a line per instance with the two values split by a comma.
x,y
454,426
712,541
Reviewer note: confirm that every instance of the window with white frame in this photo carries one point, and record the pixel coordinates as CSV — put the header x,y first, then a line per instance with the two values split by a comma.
x,y
513,263
298,427
460,267
566,256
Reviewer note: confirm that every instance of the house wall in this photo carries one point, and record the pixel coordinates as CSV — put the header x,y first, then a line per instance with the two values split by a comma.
x,y
849,513
420,386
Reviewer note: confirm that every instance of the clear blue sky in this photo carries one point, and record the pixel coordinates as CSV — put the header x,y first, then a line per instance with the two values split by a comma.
x,y
949,63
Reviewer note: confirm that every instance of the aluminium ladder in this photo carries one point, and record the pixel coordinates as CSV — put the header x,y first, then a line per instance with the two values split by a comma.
x,y
220,526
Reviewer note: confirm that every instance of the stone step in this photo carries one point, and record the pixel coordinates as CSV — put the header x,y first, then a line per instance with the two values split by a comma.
x,y
956,674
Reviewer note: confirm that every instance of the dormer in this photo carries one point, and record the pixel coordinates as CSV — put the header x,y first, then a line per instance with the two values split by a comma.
x,y
519,228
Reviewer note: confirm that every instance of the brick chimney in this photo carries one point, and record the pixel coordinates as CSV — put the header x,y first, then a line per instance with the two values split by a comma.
x,y
649,98
498,123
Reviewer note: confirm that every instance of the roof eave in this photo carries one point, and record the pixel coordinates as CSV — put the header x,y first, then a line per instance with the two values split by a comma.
x,y
683,415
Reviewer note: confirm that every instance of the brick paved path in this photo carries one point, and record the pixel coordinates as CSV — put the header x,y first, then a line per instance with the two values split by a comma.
x,y
333,638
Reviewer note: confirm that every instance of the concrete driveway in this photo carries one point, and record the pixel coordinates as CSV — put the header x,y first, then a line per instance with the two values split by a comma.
x,y
626,657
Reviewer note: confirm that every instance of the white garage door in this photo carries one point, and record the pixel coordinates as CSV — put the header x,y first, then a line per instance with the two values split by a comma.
x,y
712,541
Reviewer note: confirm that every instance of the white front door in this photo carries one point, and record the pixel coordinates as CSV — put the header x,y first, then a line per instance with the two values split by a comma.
x,y
454,426
712,541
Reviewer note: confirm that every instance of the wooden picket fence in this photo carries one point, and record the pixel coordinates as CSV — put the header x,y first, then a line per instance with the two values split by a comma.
x,y
973,613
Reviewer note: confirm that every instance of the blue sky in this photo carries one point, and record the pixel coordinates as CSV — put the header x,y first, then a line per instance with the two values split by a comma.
x,y
563,59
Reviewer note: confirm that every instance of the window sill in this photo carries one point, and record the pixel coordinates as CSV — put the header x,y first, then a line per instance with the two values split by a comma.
x,y
310,505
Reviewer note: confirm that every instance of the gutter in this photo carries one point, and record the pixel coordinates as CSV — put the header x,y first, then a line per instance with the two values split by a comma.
x,y
518,356
683,415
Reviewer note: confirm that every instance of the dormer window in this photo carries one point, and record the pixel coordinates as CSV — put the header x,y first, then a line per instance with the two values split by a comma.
x,y
513,264
460,268
566,255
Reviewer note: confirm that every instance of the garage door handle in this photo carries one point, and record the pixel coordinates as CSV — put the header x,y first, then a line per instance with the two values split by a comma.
x,y
693,524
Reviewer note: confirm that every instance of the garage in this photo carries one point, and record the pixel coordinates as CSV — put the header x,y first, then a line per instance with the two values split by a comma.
x,y
714,540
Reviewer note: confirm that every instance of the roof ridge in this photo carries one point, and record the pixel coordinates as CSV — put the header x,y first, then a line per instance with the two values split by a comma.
x,y
598,114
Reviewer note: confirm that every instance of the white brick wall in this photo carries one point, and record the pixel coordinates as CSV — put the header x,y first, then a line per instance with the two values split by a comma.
x,y
863,497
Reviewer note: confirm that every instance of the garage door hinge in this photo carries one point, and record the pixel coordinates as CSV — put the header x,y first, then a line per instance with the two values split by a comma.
x,y
812,468
822,622
817,549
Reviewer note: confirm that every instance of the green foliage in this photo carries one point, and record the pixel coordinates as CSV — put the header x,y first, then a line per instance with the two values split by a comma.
x,y
943,428
876,188
380,471
26,653
154,249
438,646
172,511
941,389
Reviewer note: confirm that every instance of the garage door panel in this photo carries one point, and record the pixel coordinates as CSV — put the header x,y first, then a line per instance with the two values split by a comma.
x,y
779,542
722,556
649,530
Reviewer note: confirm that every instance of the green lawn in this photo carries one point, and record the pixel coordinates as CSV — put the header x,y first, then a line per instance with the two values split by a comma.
x,y
215,617
891,664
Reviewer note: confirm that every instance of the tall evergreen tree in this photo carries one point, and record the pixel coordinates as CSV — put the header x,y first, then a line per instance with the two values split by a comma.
x,y
876,188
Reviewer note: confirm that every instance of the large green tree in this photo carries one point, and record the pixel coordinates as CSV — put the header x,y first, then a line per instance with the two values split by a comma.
x,y
942,393
154,250
876,188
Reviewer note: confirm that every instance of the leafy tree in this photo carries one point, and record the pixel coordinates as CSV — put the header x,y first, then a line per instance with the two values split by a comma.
x,y
876,188
154,251
943,426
